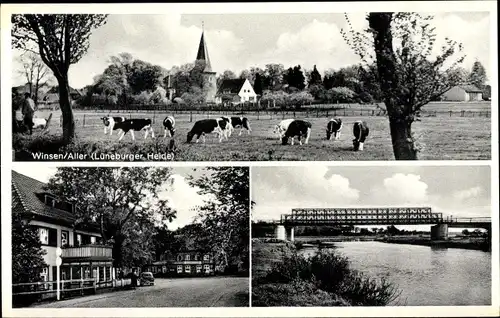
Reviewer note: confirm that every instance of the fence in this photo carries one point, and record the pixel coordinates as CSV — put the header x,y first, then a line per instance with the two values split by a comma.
x,y
32,292
84,119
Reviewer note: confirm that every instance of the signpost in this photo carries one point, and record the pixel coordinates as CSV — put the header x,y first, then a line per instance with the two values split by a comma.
x,y
58,263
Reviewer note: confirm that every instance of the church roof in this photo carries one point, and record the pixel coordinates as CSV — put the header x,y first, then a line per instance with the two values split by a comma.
x,y
203,54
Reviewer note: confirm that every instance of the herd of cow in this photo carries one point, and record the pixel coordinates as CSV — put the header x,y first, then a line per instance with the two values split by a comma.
x,y
224,126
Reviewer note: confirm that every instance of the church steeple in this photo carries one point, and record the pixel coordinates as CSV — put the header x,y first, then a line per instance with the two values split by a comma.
x,y
203,53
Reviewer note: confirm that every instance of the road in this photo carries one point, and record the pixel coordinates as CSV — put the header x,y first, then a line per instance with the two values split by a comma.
x,y
179,292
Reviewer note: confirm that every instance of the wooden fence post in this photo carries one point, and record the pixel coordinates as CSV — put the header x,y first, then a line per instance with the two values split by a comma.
x,y
191,116
83,120
450,113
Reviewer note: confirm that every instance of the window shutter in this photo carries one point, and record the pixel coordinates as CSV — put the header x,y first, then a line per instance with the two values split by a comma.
x,y
53,237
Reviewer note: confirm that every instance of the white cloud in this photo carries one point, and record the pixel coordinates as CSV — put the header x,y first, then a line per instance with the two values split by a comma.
x,y
473,192
401,189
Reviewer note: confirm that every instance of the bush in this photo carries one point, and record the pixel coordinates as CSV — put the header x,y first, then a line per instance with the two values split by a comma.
x,y
296,278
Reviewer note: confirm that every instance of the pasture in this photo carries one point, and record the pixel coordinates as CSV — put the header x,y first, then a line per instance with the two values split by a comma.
x,y
440,136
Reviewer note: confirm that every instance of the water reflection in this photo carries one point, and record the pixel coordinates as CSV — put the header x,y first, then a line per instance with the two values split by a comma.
x,y
426,276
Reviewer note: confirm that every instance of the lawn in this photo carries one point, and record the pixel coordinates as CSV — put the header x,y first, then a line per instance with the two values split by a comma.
x,y
443,137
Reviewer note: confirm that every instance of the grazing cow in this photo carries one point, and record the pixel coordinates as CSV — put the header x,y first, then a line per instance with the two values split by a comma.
x,y
169,125
207,126
360,131
281,128
110,122
242,123
333,128
137,124
298,127
41,122
228,128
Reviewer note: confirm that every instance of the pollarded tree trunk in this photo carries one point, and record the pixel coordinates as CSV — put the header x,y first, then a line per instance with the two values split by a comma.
x,y
402,140
67,112
399,119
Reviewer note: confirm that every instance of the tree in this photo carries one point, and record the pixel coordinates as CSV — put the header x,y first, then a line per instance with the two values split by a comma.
x,y
257,86
408,74
226,218
477,76
35,72
27,252
60,40
144,76
341,95
315,77
274,76
123,202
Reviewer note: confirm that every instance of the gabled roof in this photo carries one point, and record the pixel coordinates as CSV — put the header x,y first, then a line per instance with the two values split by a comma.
x,y
203,54
470,89
25,189
233,85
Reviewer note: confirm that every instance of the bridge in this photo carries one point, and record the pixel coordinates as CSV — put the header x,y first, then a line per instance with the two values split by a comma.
x,y
342,217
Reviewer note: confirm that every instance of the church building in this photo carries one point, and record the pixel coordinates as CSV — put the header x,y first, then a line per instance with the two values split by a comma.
x,y
209,80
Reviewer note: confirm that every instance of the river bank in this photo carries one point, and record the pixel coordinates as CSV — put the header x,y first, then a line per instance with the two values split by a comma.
x,y
283,277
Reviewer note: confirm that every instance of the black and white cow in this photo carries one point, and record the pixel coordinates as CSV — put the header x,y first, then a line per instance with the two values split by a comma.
x,y
137,124
297,128
228,127
207,126
110,122
169,125
240,122
360,131
281,128
42,123
333,129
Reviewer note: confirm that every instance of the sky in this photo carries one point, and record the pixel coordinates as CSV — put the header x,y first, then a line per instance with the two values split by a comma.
x,y
459,191
238,41
182,197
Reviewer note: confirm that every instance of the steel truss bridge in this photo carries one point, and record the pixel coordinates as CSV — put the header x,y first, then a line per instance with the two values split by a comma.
x,y
376,216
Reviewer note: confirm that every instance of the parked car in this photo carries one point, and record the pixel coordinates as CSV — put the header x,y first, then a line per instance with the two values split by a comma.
x,y
147,279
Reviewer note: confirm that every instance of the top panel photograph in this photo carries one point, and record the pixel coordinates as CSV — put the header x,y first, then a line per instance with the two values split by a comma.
x,y
251,87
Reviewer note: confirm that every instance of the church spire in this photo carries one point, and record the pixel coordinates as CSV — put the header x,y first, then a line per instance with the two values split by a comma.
x,y
203,52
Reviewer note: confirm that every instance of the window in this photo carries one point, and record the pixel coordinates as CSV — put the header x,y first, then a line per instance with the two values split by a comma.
x,y
188,257
196,257
164,269
77,272
64,238
179,257
206,267
101,273
50,201
108,273
44,236
187,268
93,240
45,274
198,268
179,268
206,257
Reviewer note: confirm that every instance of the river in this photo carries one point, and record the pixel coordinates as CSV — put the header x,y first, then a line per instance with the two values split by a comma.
x,y
426,276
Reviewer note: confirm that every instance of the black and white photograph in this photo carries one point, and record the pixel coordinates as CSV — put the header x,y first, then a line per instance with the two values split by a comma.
x,y
124,237
327,86
371,236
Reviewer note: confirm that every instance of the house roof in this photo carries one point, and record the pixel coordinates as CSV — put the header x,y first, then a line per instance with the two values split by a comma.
x,y
203,54
55,90
25,189
471,89
233,85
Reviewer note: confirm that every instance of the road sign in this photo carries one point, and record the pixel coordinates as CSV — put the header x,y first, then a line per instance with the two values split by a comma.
x,y
58,261
58,251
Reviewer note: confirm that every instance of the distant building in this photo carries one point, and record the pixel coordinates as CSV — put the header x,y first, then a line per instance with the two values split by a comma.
x,y
83,255
235,91
185,263
210,86
51,97
463,93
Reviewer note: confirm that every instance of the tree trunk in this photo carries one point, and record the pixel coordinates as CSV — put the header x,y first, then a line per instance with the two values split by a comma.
x,y
400,124
66,110
402,140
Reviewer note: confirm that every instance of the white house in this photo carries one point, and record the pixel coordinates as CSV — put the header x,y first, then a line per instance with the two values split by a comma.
x,y
235,91
463,93
83,254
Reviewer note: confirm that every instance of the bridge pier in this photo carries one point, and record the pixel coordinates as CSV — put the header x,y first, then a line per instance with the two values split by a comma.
x,y
439,232
284,233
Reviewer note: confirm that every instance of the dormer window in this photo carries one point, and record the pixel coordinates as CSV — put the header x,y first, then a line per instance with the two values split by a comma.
x,y
50,200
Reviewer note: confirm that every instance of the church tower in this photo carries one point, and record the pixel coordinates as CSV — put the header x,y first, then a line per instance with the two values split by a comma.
x,y
209,80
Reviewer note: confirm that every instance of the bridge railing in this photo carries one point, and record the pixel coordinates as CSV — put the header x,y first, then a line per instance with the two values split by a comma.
x,y
466,220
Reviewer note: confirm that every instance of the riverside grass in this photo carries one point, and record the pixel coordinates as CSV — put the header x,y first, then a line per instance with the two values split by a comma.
x,y
281,277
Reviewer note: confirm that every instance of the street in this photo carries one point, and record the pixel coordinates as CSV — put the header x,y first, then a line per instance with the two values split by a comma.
x,y
178,292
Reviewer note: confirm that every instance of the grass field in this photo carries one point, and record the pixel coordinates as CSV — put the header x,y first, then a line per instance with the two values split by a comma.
x,y
442,137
